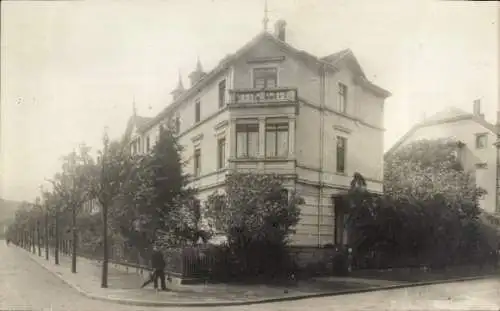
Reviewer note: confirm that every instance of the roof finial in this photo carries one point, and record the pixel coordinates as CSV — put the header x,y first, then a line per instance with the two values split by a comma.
x,y
265,21
134,109
180,86
199,68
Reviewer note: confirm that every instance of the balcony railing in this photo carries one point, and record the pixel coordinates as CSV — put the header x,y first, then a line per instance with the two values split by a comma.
x,y
255,96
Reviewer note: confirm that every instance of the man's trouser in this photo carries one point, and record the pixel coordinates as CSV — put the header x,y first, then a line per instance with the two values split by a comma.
x,y
159,274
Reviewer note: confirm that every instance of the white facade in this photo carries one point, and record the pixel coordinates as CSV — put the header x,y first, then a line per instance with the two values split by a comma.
x,y
270,108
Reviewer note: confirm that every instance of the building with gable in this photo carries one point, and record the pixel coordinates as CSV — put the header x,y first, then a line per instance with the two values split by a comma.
x,y
271,108
477,151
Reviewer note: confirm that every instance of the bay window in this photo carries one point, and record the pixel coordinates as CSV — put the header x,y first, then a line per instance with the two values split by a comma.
x,y
247,140
277,139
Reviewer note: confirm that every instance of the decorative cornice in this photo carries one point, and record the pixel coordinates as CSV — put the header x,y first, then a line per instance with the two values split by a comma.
x,y
221,125
197,138
272,59
342,129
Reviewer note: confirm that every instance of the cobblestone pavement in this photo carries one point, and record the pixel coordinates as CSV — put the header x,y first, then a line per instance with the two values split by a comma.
x,y
25,284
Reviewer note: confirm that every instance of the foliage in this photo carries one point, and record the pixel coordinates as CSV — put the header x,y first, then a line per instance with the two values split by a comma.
x,y
184,224
425,169
429,213
156,205
111,171
258,217
71,185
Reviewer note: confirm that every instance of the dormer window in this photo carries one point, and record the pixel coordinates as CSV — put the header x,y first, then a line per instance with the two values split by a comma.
x,y
265,78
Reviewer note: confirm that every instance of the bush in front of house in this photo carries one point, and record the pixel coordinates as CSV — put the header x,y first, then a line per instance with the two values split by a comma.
x,y
258,216
428,215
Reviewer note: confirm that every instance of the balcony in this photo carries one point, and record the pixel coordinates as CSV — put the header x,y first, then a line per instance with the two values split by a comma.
x,y
265,96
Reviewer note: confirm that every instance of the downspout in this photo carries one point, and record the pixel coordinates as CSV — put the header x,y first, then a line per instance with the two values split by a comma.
x,y
321,144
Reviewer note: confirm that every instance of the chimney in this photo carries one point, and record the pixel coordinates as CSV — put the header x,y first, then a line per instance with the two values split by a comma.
x,y
197,74
476,108
179,90
280,30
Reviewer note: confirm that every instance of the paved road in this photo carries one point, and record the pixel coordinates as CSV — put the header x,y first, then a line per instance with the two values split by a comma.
x,y
24,284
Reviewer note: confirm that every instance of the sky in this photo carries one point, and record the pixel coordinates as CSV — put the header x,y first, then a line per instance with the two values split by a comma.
x,y
69,69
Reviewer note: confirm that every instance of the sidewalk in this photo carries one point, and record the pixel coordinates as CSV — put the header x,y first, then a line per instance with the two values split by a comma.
x,y
124,287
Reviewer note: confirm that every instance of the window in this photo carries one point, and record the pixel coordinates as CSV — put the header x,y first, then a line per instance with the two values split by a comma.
x,y
197,162
222,93
197,111
341,153
481,141
147,144
139,144
247,140
221,153
264,78
342,97
277,139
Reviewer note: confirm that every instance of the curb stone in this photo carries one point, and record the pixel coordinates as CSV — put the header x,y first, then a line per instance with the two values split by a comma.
x,y
222,303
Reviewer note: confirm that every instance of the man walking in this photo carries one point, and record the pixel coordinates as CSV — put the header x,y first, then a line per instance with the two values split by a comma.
x,y
158,265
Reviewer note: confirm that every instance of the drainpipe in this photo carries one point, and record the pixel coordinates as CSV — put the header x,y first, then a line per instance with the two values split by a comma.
x,y
321,144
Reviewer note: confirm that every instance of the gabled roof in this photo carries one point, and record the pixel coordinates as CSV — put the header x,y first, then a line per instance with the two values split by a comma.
x,y
345,56
448,115
329,62
137,122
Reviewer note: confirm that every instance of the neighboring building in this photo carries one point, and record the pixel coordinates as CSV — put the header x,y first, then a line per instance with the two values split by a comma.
x,y
271,108
478,153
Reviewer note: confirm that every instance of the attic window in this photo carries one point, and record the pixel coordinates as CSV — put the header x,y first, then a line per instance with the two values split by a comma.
x,y
265,78
481,141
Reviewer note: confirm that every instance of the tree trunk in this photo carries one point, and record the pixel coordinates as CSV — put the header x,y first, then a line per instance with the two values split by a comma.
x,y
46,235
33,239
38,238
73,253
104,277
56,249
